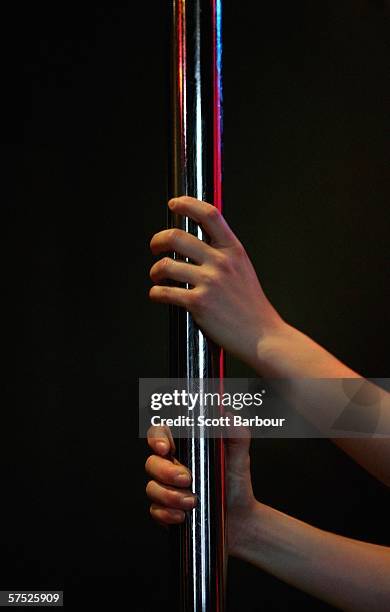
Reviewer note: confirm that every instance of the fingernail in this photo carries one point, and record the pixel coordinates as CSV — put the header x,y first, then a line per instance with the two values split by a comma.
x,y
182,479
162,447
171,203
188,502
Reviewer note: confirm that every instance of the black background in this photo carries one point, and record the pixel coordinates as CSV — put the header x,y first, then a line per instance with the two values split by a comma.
x,y
306,188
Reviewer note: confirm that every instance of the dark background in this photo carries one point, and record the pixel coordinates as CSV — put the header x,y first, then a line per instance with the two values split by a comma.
x,y
306,88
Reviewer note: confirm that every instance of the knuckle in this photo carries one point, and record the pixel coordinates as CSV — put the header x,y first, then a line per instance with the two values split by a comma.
x,y
165,262
193,299
160,268
187,199
224,262
148,463
149,488
212,212
211,278
173,235
198,299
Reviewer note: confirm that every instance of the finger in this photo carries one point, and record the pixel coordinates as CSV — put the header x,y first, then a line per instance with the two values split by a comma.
x,y
166,472
172,295
207,215
170,496
166,516
160,440
181,242
168,268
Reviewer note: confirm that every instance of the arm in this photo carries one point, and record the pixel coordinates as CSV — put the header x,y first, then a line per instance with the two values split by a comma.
x,y
349,574
345,573
229,304
288,353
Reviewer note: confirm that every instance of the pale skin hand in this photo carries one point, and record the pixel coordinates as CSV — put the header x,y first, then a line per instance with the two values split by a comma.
x,y
226,300
171,498
230,306
308,558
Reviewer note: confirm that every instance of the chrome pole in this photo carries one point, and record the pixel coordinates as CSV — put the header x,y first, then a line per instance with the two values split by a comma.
x,y
195,160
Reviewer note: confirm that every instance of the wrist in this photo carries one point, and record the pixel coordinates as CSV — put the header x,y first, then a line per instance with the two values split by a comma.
x,y
266,534
244,528
269,345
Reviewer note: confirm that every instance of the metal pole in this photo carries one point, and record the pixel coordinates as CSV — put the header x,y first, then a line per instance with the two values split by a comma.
x,y
196,170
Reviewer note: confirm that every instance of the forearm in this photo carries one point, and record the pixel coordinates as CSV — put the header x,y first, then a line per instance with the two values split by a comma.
x,y
346,573
228,303
287,353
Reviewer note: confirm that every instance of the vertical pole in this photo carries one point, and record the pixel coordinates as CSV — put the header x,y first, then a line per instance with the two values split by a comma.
x,y
196,170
